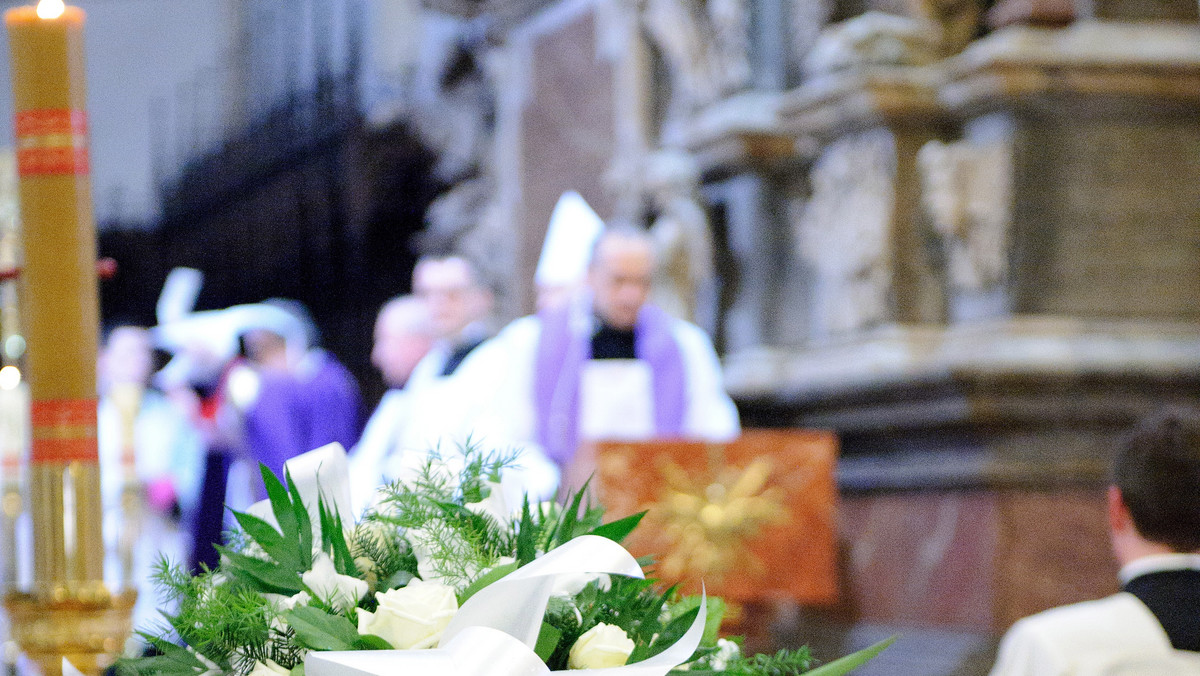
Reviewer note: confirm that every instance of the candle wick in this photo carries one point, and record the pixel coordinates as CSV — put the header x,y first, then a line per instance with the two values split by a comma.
x,y
51,9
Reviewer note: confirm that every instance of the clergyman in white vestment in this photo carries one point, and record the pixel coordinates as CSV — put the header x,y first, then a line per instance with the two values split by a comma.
x,y
403,336
607,365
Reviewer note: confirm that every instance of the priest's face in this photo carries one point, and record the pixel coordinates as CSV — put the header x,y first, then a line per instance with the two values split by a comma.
x,y
620,277
451,291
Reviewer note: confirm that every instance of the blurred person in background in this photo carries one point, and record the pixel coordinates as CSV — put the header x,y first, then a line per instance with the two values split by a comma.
x,y
403,335
299,397
151,462
459,304
606,365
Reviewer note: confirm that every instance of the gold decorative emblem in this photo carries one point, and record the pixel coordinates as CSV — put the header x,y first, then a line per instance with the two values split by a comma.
x,y
708,520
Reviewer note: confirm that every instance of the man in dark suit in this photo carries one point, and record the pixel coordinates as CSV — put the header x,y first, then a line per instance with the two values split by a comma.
x,y
1153,625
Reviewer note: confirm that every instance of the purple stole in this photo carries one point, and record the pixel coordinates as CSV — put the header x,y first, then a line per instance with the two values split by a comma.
x,y
561,354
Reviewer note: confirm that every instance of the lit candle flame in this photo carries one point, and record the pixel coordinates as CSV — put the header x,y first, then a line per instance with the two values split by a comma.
x,y
51,9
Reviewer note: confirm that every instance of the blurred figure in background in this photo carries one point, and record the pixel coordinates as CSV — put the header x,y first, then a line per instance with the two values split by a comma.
x,y
448,399
283,397
151,461
301,397
460,304
403,335
607,365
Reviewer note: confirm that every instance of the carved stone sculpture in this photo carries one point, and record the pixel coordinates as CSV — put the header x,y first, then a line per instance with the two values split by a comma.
x,y
967,192
808,17
464,219
844,232
705,46
957,21
680,232
873,39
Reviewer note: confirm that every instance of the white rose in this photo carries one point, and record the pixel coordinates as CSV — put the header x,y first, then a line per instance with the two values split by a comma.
x,y
268,668
726,650
411,617
601,647
341,592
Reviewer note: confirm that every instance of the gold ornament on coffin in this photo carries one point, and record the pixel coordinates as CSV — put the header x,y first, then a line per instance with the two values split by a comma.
x,y
755,518
708,520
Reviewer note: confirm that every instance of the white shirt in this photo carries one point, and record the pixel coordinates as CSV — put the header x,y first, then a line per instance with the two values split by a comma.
x,y
1157,563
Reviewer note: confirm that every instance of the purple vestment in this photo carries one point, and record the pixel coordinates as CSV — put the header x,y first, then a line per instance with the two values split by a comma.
x,y
561,354
295,413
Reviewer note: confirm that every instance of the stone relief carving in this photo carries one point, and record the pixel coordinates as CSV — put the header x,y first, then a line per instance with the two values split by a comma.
x,y
455,116
464,219
873,39
957,21
967,191
808,17
681,234
844,232
705,45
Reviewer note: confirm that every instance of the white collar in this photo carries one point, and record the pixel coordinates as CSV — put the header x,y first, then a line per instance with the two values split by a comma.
x,y
1157,563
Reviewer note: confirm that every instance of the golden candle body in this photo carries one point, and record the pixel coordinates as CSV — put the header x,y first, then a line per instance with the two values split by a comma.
x,y
59,300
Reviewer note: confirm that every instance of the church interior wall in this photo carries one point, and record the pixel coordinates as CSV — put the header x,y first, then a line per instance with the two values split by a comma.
x,y
970,249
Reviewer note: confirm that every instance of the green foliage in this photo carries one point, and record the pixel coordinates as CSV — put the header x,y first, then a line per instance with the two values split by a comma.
x,y
629,603
618,530
319,630
853,661
229,623
229,620
782,663
389,557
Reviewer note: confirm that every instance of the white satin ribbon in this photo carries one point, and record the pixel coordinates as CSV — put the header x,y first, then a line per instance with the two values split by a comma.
x,y
320,473
493,634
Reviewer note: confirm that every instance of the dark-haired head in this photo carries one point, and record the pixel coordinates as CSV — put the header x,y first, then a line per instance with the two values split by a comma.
x,y
1157,471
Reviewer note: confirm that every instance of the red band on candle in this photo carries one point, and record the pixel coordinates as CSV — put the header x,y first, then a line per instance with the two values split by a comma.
x,y
45,122
52,142
52,161
64,430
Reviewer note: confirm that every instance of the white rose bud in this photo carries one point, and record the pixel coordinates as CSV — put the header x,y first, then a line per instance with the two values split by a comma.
x,y
601,647
341,592
268,668
411,617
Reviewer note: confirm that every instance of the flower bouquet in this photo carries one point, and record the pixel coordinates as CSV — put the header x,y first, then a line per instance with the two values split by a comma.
x,y
441,577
